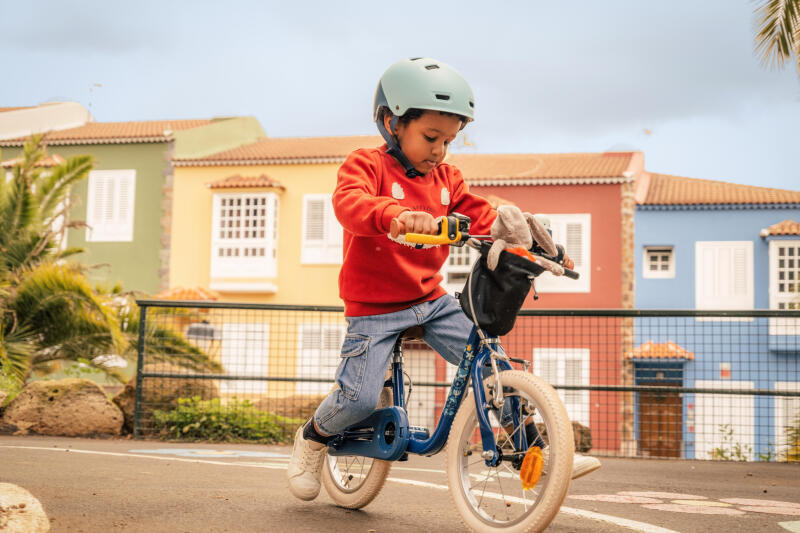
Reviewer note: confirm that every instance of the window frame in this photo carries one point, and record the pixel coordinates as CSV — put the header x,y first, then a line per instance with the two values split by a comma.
x,y
548,283
310,361
705,302
245,266
239,350
780,325
448,269
325,250
580,410
647,273
120,230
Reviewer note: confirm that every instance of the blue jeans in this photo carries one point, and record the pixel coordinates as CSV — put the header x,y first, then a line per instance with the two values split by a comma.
x,y
367,354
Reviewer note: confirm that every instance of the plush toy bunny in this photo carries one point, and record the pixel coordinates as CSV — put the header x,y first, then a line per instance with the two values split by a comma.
x,y
514,228
509,229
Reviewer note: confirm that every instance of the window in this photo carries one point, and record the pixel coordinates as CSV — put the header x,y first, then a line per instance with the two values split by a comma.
x,y
658,262
245,235
319,350
322,234
110,205
787,411
457,267
566,366
573,231
245,352
717,414
784,284
724,275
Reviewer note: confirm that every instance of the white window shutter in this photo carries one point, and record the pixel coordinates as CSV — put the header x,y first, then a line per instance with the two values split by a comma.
x,y
573,231
322,233
110,205
724,275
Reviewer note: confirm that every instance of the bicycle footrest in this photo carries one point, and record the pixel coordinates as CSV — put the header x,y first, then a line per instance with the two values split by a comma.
x,y
382,435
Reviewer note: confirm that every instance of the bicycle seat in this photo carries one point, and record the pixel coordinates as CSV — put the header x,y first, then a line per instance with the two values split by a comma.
x,y
414,333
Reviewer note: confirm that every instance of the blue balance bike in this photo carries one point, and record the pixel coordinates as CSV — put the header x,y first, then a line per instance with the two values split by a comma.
x,y
498,480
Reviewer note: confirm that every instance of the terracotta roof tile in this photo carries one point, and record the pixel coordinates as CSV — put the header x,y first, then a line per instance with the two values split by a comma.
x,y
116,132
49,161
4,109
245,182
665,350
675,190
546,168
280,150
182,293
787,227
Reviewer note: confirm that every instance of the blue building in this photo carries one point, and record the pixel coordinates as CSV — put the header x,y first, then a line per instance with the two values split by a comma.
x,y
711,245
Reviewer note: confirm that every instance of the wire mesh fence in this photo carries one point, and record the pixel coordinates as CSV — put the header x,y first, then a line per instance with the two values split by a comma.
x,y
721,385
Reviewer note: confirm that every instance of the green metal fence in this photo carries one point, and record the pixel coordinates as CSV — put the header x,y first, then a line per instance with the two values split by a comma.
x,y
721,385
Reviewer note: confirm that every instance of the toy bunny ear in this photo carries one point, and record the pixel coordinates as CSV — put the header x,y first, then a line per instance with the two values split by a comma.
x,y
493,257
541,235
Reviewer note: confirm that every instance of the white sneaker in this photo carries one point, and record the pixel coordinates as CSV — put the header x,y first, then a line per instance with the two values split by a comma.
x,y
305,467
581,464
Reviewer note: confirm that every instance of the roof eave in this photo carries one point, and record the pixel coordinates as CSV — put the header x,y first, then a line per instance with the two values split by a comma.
x,y
257,162
511,181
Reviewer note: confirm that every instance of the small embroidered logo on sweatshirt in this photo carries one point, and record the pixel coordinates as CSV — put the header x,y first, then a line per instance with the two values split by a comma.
x,y
445,196
397,191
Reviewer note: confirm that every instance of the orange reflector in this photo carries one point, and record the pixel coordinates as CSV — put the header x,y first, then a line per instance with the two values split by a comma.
x,y
531,469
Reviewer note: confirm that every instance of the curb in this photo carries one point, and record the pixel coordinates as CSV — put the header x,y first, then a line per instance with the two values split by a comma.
x,y
20,512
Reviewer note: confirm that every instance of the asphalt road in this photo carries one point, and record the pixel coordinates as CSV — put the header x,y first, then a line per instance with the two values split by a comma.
x,y
151,486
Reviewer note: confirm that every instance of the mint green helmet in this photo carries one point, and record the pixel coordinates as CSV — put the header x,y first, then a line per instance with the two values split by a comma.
x,y
424,83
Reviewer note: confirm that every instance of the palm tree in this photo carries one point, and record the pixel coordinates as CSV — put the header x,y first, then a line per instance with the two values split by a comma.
x,y
778,37
48,310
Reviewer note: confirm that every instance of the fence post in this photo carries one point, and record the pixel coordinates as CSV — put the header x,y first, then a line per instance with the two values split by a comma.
x,y
137,406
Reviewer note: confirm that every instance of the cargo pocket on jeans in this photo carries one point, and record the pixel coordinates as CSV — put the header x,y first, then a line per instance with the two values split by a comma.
x,y
350,374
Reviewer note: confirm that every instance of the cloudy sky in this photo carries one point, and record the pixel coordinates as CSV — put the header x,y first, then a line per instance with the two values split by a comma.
x,y
678,80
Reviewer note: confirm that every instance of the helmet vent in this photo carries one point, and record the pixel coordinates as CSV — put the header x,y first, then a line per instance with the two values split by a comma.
x,y
443,97
415,59
433,66
471,104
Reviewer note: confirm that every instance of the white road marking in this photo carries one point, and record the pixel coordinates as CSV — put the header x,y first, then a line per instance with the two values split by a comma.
x,y
623,522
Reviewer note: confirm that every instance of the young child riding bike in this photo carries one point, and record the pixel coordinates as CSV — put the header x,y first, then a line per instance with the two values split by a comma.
x,y
387,285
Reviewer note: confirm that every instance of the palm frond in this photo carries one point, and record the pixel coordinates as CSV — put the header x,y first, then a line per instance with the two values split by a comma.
x,y
59,302
53,189
778,35
16,352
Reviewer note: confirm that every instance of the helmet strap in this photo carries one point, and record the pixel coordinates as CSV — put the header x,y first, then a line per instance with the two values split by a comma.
x,y
394,147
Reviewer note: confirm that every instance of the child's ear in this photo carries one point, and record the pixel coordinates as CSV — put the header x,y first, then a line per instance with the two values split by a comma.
x,y
387,122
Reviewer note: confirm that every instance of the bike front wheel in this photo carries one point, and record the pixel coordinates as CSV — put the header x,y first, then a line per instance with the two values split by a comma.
x,y
353,481
492,499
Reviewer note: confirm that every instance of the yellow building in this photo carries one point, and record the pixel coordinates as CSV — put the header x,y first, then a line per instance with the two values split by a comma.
x,y
255,224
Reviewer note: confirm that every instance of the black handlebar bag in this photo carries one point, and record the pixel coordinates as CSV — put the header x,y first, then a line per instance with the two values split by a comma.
x,y
497,295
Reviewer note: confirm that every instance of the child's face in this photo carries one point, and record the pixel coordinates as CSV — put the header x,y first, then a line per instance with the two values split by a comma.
x,y
425,140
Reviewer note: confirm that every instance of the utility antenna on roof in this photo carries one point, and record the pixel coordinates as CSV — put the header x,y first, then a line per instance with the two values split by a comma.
x,y
91,91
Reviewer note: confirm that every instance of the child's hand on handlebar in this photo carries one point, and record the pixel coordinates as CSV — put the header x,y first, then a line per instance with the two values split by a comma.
x,y
414,222
568,262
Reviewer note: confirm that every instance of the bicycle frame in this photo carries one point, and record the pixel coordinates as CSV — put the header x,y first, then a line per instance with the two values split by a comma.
x,y
370,437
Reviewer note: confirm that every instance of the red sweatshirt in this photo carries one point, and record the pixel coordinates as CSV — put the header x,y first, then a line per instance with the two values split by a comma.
x,y
380,274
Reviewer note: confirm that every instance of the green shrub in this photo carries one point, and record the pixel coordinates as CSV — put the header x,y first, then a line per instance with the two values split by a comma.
x,y
792,454
235,421
8,385
730,450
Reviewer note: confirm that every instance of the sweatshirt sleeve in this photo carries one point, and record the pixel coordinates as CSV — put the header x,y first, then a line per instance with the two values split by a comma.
x,y
476,207
356,203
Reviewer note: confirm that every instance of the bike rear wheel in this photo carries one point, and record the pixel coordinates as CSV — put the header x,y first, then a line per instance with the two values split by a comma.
x,y
492,499
353,481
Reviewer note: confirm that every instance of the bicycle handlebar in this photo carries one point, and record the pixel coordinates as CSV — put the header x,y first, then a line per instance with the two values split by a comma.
x,y
454,231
